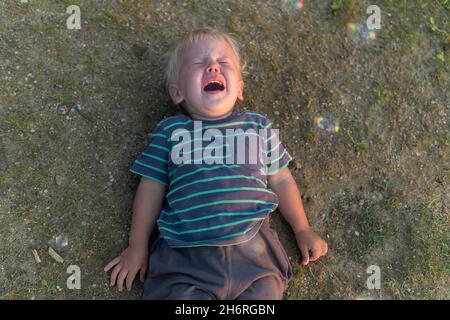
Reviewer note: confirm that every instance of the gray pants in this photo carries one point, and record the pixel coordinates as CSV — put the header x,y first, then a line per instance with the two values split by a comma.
x,y
257,269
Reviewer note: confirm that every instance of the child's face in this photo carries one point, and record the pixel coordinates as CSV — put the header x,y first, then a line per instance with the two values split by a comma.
x,y
203,63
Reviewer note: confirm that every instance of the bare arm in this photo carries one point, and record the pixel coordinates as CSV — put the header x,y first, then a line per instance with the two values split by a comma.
x,y
146,207
290,201
310,244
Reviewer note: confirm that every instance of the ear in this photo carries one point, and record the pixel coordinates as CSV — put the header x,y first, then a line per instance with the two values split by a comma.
x,y
241,90
175,94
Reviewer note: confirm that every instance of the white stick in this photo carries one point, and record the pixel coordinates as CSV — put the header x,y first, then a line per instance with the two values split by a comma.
x,y
55,255
36,256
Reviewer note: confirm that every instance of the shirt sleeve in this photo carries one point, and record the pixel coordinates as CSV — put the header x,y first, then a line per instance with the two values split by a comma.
x,y
277,157
153,162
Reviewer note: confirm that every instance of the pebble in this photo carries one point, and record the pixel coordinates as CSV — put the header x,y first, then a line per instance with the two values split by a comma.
x,y
295,165
58,180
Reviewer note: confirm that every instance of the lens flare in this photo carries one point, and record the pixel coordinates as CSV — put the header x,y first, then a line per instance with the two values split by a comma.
x,y
61,240
293,4
328,124
258,247
359,34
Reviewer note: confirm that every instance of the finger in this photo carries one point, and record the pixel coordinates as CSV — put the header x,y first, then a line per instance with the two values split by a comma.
x,y
314,254
122,275
114,274
325,249
130,278
305,254
112,264
143,272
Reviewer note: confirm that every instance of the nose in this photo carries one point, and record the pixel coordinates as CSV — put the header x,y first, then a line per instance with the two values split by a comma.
x,y
213,67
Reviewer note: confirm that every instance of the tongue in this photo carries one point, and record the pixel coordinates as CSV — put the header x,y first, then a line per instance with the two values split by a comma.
x,y
214,86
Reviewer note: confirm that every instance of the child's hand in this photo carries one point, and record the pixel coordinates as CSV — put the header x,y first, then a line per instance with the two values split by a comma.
x,y
127,265
311,245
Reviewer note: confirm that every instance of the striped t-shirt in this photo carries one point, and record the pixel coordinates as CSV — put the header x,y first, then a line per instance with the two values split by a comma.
x,y
216,177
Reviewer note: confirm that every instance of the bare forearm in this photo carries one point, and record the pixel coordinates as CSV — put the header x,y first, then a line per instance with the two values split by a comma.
x,y
290,202
310,244
146,207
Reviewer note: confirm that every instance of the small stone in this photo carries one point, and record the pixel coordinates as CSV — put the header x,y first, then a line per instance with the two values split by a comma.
x,y
2,165
57,180
357,233
295,165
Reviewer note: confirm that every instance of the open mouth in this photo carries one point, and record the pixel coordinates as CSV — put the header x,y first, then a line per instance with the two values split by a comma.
x,y
214,86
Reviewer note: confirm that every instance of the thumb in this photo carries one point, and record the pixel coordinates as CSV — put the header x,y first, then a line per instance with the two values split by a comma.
x,y
305,254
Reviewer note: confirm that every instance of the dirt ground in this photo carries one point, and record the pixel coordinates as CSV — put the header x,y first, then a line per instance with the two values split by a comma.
x,y
76,107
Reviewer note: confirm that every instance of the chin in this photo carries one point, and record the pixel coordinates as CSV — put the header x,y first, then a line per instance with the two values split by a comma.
x,y
217,109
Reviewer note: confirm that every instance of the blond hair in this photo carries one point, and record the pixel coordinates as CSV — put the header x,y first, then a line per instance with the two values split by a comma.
x,y
173,60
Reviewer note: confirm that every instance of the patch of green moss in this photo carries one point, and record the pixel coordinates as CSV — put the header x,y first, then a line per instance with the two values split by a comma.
x,y
372,235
